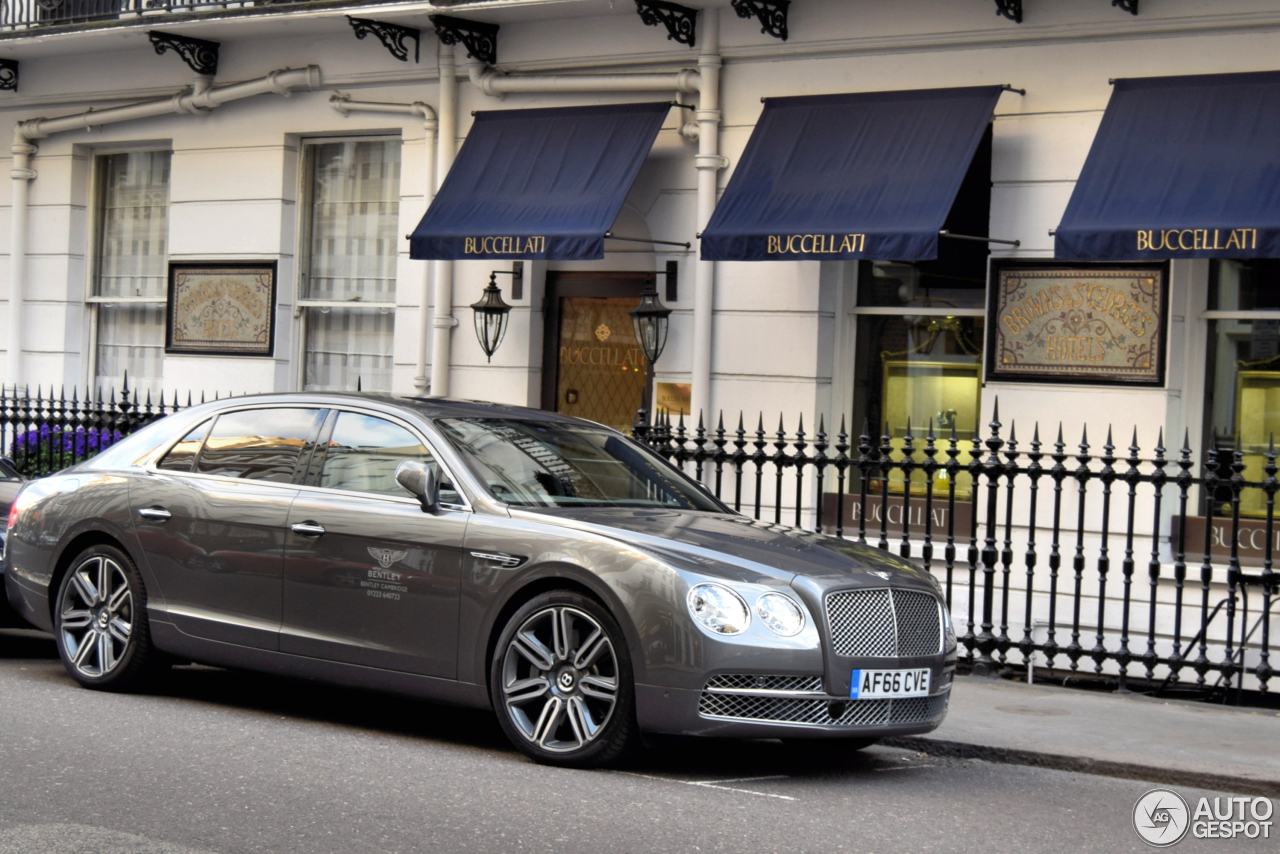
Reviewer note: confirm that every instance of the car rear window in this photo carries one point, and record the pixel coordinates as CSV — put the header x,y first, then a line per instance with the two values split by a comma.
x,y
259,444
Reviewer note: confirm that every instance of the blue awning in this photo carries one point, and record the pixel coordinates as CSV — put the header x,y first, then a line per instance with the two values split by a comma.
x,y
538,183
868,175
1182,167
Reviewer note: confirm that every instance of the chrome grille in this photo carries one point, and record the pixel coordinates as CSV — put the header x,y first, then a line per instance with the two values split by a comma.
x,y
817,712
917,615
882,623
729,681
861,622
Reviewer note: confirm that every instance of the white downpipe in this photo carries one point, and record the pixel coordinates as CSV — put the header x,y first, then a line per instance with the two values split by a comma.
x,y
200,98
495,83
22,175
443,320
708,162
344,104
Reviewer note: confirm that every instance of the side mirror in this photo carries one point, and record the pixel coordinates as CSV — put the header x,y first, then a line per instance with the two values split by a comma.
x,y
419,481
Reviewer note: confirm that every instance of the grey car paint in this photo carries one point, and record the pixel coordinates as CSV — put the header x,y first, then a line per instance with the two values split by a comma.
x,y
215,603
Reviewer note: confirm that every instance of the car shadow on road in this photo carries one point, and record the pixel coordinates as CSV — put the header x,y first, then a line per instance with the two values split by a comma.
x,y
26,644
300,699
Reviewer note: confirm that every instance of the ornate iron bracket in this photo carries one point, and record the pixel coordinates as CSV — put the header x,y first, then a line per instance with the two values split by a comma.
x,y
9,74
1130,6
680,21
394,37
771,13
200,55
480,39
1011,9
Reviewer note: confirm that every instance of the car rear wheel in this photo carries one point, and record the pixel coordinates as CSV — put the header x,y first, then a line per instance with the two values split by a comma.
x,y
561,682
100,622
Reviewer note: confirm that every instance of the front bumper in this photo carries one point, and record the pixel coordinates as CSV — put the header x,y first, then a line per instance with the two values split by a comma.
x,y
785,707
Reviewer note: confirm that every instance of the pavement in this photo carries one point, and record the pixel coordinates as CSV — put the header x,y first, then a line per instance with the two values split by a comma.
x,y
1131,736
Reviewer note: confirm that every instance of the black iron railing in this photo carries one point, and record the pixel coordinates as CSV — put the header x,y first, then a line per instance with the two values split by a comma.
x,y
27,14
961,505
45,432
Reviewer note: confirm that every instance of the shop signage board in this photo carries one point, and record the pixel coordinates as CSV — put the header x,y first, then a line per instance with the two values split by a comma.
x,y
1251,539
913,513
1077,323
220,308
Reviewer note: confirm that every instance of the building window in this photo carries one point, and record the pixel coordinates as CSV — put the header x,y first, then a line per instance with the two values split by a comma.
x,y
348,271
918,363
127,300
1242,391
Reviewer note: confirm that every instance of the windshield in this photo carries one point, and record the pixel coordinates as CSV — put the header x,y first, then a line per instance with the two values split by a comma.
x,y
543,464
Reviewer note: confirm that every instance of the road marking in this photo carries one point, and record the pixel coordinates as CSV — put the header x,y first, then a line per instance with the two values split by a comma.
x,y
714,784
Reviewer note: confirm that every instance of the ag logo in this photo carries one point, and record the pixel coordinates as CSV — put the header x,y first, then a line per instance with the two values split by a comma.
x,y
386,557
603,332
1161,818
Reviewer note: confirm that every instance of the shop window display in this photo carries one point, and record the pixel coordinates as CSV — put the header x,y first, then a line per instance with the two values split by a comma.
x,y
1242,394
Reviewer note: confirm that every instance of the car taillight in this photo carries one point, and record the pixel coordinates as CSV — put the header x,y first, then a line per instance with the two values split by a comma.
x,y
14,510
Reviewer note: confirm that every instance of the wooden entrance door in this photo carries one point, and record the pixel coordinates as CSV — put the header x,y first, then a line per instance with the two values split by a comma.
x,y
595,369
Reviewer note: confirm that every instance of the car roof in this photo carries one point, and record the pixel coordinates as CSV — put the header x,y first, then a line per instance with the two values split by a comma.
x,y
430,407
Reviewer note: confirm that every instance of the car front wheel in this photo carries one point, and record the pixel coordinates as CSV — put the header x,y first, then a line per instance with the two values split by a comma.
x,y
100,622
561,682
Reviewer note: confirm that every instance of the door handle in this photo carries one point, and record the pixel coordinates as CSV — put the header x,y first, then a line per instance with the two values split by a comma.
x,y
307,529
155,514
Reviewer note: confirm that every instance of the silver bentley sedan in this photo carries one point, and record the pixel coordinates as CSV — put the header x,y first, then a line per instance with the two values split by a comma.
x,y
546,567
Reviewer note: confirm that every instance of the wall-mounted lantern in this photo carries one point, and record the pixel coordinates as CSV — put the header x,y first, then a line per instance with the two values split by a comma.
x,y
491,317
650,319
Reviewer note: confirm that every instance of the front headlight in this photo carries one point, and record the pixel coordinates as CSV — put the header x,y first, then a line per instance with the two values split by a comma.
x,y
780,614
719,609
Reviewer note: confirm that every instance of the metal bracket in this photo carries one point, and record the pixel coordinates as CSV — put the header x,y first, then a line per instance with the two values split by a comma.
x,y
9,74
393,36
681,21
200,55
480,39
772,14
1011,9
1130,6
945,233
611,236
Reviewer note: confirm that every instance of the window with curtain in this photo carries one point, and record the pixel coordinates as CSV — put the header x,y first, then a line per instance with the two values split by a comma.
x,y
130,270
348,287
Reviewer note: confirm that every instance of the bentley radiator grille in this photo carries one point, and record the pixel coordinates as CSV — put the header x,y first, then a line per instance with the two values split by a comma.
x,y
884,623
822,712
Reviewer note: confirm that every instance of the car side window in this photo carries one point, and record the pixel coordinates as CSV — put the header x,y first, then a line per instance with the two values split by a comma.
x,y
182,455
259,444
363,452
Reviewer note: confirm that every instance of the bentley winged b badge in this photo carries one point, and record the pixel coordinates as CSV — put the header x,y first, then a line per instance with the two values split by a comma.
x,y
386,557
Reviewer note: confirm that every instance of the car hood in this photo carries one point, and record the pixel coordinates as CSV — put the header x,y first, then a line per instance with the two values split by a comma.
x,y
739,548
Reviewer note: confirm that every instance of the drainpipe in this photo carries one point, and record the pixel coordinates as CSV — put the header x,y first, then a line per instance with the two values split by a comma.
x,y
343,104
202,97
708,162
22,174
443,320
497,84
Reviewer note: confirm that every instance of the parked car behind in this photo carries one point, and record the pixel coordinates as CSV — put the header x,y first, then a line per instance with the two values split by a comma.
x,y
11,482
546,567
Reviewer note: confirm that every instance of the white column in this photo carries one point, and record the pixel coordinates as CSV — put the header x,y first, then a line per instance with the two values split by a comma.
x,y
443,320
709,163
422,382
22,175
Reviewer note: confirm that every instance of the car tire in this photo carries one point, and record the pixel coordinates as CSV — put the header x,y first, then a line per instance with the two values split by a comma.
x,y
567,702
100,622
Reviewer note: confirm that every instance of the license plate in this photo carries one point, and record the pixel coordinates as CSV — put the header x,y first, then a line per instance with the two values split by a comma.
x,y
889,684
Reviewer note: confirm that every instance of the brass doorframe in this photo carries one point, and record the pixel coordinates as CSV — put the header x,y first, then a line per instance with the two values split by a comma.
x,y
575,283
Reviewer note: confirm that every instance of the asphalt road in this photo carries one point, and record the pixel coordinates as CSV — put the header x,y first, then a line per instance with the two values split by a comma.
x,y
222,761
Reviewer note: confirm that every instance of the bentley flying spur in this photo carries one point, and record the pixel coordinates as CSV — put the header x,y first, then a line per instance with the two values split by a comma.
x,y
553,570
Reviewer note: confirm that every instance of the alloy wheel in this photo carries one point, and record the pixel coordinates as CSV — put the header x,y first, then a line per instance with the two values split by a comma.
x,y
560,679
96,617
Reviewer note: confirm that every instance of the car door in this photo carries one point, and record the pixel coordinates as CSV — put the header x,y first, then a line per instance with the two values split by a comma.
x,y
211,519
369,578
